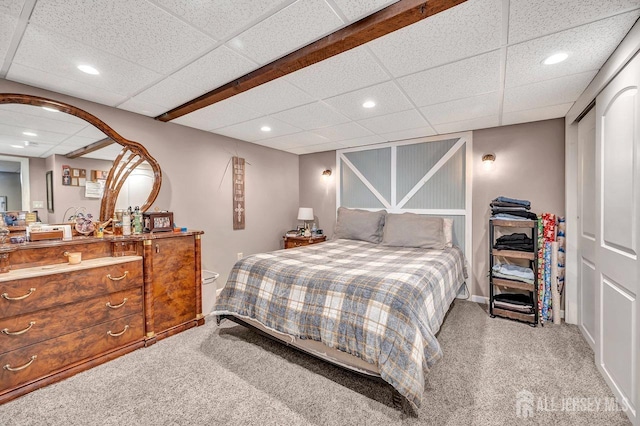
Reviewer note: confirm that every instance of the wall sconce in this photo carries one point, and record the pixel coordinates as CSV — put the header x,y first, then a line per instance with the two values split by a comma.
x,y
488,160
326,173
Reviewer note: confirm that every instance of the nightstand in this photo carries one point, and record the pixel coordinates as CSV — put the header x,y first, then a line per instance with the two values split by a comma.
x,y
291,242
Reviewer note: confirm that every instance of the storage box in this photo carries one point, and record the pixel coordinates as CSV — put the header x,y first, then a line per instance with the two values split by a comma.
x,y
157,221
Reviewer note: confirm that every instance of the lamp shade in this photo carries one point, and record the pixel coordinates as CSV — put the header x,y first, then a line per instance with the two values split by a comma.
x,y
305,213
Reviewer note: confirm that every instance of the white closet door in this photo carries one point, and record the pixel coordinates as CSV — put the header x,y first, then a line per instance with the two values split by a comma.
x,y
617,216
587,227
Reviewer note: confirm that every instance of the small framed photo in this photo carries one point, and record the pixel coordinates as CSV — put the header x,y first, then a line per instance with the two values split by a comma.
x,y
158,221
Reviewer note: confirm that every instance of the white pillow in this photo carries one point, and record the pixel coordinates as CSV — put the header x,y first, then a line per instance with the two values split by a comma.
x,y
448,232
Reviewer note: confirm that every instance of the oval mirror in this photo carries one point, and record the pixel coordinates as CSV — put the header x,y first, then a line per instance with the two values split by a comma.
x,y
135,177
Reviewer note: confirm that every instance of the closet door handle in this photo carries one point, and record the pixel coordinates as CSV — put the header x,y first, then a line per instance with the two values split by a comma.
x,y
117,278
6,295
126,327
22,367
109,305
17,333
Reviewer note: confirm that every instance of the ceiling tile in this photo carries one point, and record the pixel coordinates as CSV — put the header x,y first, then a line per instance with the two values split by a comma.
x,y
395,122
168,93
469,77
38,119
135,30
58,149
90,131
107,153
461,126
11,7
274,96
59,84
214,69
75,142
250,130
546,93
221,114
221,18
387,96
309,149
588,47
311,116
544,113
7,27
351,70
55,54
294,140
529,19
418,132
463,109
468,29
356,9
344,131
285,31
144,108
14,133
366,140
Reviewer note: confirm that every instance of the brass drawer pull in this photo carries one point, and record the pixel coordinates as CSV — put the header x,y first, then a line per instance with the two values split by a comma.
x,y
118,278
17,333
6,295
126,327
109,305
22,367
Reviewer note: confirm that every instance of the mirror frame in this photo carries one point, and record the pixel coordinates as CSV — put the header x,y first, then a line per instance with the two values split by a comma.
x,y
137,153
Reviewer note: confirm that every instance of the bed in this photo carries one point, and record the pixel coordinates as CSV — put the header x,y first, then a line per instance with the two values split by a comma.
x,y
367,306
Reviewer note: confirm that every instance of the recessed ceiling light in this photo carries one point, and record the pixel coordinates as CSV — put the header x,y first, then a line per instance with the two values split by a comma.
x,y
555,58
17,146
29,134
368,104
50,109
265,128
88,69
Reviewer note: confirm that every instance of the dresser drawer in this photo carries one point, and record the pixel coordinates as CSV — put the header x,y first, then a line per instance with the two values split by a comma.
x,y
27,329
33,294
42,359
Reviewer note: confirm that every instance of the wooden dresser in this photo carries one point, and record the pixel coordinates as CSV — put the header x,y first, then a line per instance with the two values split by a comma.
x,y
58,319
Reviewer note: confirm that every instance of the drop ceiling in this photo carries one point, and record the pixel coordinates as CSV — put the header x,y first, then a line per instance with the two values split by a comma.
x,y
473,66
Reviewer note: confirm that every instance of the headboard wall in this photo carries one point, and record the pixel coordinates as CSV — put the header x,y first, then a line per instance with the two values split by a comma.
x,y
427,176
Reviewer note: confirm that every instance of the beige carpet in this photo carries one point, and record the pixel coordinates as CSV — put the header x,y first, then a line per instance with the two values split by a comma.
x,y
232,376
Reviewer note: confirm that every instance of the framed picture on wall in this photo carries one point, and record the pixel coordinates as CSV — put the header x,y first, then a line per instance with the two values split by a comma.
x,y
49,183
3,203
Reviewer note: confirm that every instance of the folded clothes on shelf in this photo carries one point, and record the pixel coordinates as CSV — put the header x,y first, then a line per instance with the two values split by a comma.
x,y
516,241
502,199
514,302
520,213
507,216
513,271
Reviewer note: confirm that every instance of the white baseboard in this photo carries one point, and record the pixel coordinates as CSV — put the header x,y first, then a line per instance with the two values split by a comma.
x,y
479,299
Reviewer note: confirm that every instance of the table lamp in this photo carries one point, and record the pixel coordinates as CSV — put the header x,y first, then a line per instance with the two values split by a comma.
x,y
305,214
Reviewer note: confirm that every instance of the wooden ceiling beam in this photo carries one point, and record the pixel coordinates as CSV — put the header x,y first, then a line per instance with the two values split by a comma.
x,y
385,21
90,148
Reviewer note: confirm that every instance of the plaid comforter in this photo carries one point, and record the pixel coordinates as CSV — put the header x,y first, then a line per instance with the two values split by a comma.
x,y
381,304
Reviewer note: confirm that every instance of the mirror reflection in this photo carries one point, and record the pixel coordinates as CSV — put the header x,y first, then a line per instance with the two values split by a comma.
x,y
36,139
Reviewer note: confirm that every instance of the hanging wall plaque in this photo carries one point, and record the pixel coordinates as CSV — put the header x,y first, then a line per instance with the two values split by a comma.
x,y
238,193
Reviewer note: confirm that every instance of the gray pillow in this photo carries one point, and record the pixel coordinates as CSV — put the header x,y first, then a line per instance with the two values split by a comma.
x,y
414,230
355,224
